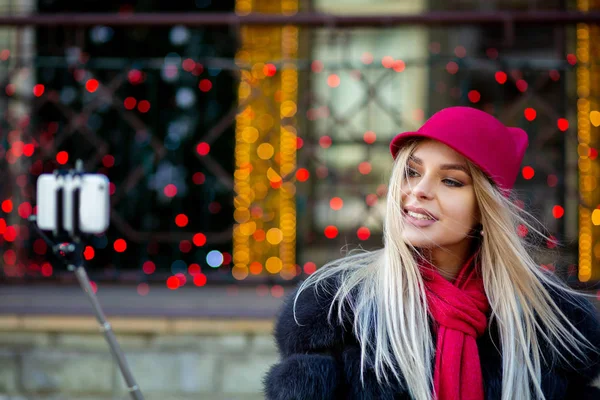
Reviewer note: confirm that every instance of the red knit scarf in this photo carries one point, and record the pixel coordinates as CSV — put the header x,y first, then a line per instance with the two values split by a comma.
x,y
459,310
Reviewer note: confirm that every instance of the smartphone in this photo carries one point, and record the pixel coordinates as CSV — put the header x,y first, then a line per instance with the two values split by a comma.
x,y
89,193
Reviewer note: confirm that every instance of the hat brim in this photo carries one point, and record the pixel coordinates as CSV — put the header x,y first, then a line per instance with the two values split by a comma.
x,y
400,139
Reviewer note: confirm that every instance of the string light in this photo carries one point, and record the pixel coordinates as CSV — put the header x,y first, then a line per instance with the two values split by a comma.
x,y
585,118
265,164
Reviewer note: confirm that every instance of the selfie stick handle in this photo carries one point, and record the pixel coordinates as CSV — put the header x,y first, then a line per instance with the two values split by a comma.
x,y
106,329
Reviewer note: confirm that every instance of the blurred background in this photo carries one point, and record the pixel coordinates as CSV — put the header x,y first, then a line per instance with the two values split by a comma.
x,y
247,144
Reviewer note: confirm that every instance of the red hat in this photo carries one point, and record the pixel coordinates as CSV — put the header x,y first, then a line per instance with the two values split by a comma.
x,y
497,149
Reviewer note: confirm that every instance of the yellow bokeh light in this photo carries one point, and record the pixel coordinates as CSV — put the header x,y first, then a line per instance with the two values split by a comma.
x,y
273,175
265,151
596,217
248,228
250,134
274,236
273,265
239,273
241,215
595,118
288,109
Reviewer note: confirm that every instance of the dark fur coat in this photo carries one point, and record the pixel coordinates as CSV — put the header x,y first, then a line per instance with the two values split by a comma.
x,y
322,361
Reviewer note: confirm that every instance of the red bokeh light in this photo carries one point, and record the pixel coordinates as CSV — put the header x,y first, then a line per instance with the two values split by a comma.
x,y
371,199
129,103
563,124
198,178
528,172
188,65
398,65
143,106
199,239
108,161
40,247
333,80
269,69
173,283
10,234
200,279
185,246
203,148
182,278
205,85
336,203
135,76
572,59
325,142
552,242
277,291
370,137
387,61
364,167
558,211
552,180
120,245
25,209
501,77
28,149
10,257
310,267
7,206
255,268
474,96
92,85
302,175
194,269
214,207
181,220
331,232
366,58
316,66
47,269
452,67
530,114
89,253
170,190
38,90
148,267
363,233
62,157
143,289
521,85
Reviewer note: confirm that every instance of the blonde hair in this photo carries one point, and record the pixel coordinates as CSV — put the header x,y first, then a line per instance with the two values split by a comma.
x,y
384,291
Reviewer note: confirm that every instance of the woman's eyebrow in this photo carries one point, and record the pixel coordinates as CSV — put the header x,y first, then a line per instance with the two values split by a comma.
x,y
444,167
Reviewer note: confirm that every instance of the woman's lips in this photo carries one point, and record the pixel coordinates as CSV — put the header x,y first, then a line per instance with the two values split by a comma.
x,y
421,223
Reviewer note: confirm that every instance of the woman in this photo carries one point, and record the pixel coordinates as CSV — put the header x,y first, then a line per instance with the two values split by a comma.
x,y
453,306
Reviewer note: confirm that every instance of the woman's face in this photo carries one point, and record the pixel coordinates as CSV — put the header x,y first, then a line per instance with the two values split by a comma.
x,y
438,200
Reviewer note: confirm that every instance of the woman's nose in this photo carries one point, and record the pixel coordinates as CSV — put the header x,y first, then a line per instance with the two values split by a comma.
x,y
423,189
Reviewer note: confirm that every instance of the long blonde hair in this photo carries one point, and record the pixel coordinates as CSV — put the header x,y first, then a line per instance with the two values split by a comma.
x,y
384,291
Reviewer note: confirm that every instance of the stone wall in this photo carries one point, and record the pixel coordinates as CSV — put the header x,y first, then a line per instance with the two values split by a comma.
x,y
61,364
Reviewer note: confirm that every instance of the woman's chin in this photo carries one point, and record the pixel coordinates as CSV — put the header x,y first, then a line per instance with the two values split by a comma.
x,y
418,239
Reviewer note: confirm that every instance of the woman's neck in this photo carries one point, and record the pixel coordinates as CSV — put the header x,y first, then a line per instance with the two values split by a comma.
x,y
449,262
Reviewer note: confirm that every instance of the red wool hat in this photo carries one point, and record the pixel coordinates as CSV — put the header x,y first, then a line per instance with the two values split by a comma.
x,y
497,149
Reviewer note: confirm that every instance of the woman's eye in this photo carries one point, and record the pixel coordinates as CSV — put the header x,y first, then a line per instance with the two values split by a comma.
x,y
412,172
452,182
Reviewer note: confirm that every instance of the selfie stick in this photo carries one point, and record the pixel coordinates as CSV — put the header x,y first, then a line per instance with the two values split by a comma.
x,y
70,253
